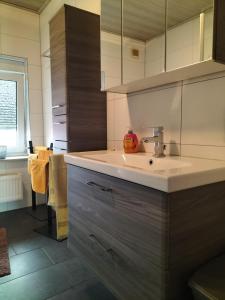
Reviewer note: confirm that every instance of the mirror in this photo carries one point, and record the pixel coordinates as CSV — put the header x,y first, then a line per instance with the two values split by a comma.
x,y
143,43
189,36
111,43
140,39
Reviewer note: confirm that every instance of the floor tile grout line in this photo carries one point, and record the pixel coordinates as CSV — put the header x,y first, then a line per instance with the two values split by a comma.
x,y
22,276
48,256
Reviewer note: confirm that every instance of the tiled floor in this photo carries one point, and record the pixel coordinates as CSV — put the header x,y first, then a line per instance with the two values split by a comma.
x,y
42,268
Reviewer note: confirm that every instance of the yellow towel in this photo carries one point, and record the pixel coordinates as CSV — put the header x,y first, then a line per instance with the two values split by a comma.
x,y
58,193
34,156
44,154
30,158
39,171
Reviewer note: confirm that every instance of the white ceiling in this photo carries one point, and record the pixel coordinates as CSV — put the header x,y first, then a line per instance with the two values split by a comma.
x,y
33,5
145,19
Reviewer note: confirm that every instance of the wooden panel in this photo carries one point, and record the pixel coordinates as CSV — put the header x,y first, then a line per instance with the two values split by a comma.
x,y
158,239
60,128
87,120
219,31
75,51
60,145
197,233
107,220
59,109
115,206
83,50
58,58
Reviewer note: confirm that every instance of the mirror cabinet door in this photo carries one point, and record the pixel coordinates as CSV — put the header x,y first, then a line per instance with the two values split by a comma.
x,y
189,35
143,43
111,43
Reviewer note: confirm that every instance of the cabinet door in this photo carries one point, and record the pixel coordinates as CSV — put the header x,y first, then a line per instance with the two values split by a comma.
x,y
60,128
111,33
143,43
58,60
189,36
120,226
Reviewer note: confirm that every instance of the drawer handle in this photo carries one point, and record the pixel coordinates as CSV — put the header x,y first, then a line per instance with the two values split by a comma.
x,y
113,255
101,187
59,123
58,106
96,241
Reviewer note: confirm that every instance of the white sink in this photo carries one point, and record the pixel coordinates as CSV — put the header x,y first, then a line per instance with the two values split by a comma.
x,y
140,161
169,174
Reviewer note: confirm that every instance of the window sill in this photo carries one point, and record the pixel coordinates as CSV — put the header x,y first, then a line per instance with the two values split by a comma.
x,y
22,157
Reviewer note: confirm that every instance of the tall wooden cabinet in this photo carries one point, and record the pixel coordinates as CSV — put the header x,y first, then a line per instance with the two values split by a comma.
x,y
78,105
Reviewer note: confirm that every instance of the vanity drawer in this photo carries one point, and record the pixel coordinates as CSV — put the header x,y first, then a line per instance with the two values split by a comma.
x,y
60,128
60,145
122,275
59,109
122,210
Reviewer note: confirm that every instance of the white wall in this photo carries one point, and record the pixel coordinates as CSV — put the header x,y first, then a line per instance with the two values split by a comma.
x,y
45,17
20,36
192,113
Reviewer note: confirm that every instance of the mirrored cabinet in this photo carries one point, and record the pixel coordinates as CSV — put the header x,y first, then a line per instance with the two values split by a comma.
x,y
148,43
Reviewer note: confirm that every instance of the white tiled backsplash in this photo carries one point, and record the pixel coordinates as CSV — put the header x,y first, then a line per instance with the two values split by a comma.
x,y
191,112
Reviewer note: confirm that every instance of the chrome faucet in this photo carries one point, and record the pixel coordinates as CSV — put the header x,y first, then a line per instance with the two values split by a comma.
x,y
157,139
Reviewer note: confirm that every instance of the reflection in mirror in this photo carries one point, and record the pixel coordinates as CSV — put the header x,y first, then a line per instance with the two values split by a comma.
x,y
111,43
143,38
189,37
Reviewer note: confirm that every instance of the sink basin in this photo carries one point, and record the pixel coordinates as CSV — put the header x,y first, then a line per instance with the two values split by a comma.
x,y
139,161
168,174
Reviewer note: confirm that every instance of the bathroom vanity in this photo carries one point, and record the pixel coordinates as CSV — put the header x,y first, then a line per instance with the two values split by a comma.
x,y
143,224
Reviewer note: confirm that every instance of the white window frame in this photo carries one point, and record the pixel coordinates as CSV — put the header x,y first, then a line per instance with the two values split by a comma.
x,y
19,78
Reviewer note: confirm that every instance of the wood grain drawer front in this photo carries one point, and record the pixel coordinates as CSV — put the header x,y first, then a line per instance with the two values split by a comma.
x,y
60,145
60,128
59,109
123,210
118,272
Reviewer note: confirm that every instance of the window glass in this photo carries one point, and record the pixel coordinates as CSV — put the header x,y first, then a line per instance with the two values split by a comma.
x,y
13,106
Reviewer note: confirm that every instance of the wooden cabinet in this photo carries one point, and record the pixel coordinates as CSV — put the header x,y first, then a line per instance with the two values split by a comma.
x,y
143,243
78,105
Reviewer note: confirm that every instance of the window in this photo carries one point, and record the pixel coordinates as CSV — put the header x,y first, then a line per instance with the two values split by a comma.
x,y
12,107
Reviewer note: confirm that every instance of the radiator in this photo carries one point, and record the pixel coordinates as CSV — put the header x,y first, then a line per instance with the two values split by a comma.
x,y
11,187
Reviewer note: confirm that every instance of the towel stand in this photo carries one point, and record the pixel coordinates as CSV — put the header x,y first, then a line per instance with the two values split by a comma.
x,y
48,229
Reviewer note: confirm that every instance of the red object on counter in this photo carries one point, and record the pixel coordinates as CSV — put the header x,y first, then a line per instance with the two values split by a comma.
x,y
130,142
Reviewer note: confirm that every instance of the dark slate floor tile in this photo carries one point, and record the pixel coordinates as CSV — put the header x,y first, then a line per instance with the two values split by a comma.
x,y
17,222
40,285
30,241
77,271
86,291
58,254
26,263
11,251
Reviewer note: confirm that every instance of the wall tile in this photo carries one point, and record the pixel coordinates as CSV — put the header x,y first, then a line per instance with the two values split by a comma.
x,y
34,77
204,113
121,117
19,22
35,100
36,125
157,108
110,118
21,47
202,151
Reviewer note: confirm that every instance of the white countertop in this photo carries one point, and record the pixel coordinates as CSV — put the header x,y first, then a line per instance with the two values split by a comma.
x,y
168,174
